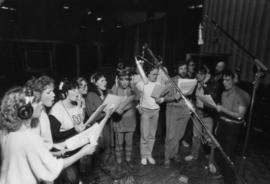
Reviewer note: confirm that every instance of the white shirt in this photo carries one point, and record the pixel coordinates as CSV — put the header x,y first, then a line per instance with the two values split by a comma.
x,y
146,101
66,116
27,160
45,129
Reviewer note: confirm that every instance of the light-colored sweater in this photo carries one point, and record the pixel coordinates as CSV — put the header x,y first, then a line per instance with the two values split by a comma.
x,y
45,129
27,160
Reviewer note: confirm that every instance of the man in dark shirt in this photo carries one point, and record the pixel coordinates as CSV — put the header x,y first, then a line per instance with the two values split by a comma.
x,y
234,104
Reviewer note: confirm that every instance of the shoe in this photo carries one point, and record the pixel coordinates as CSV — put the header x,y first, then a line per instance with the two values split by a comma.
x,y
177,158
212,168
167,164
151,160
144,161
190,158
217,176
185,144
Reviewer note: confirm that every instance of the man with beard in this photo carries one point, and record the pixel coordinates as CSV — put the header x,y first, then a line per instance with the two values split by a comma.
x,y
215,83
177,116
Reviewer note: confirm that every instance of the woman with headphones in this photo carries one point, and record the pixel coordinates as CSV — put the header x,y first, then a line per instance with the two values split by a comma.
x,y
66,118
44,87
26,159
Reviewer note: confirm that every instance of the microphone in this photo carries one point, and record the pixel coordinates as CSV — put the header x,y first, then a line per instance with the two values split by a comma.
x,y
200,36
141,71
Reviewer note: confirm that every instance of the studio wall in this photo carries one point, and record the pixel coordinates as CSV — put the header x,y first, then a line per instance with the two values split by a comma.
x,y
248,22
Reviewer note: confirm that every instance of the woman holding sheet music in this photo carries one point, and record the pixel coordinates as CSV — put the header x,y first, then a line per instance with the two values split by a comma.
x,y
83,90
26,158
94,99
66,118
124,119
43,87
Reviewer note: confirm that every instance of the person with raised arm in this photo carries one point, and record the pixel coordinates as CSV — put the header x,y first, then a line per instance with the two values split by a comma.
x,y
149,110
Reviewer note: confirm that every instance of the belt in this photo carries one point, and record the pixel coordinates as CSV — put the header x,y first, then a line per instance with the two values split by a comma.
x,y
231,121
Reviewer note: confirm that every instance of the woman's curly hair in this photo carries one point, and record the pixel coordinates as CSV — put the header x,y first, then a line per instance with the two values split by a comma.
x,y
10,103
39,84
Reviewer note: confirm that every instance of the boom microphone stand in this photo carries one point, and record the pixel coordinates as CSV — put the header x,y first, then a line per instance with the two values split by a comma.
x,y
192,110
261,68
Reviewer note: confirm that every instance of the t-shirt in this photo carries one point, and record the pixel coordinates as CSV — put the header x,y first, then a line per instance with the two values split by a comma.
x,y
234,98
66,116
199,92
27,160
146,101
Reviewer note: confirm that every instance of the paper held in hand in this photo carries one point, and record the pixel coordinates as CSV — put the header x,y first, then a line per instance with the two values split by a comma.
x,y
187,86
158,90
208,101
89,135
113,101
95,114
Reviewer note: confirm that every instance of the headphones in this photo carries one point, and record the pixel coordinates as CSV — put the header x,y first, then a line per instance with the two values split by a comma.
x,y
26,111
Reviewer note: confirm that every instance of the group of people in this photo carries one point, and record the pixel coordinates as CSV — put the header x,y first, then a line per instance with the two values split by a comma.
x,y
33,132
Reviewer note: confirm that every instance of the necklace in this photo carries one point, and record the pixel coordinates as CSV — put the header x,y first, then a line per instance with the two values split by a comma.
x,y
74,119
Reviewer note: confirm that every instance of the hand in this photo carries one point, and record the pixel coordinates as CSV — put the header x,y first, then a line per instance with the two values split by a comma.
x,y
88,149
119,111
159,100
177,96
139,109
79,127
140,61
219,108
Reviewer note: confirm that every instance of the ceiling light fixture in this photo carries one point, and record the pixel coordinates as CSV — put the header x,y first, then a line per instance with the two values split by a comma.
x,y
4,8
8,8
89,12
118,26
99,19
66,7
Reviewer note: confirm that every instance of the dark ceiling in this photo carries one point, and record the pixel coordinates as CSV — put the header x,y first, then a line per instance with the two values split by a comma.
x,y
32,16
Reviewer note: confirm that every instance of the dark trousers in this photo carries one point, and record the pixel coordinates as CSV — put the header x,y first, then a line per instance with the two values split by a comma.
x,y
228,136
99,160
69,175
189,132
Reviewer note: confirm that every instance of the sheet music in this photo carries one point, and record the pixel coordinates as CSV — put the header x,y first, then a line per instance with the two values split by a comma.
x,y
95,114
187,86
89,135
208,100
113,101
158,90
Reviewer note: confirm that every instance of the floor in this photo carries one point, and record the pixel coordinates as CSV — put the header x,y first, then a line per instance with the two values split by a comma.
x,y
255,168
